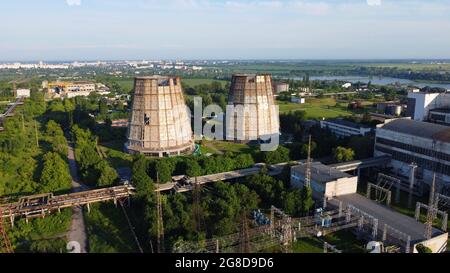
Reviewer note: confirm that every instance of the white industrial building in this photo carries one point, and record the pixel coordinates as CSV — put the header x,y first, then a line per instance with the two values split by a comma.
x,y
23,93
325,181
344,128
421,103
409,141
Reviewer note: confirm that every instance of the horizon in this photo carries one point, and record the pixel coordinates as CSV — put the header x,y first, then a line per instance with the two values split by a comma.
x,y
57,30
358,60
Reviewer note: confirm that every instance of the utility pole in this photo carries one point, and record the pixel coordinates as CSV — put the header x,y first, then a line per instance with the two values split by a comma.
x,y
308,165
36,133
411,183
244,238
160,225
14,89
23,122
196,207
5,244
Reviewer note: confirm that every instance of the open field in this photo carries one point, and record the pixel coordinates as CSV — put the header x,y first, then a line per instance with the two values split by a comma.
x,y
115,154
195,82
317,108
220,147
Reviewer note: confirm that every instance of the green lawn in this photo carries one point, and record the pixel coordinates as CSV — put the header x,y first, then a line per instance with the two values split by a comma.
x,y
308,245
317,108
115,154
343,240
194,82
220,147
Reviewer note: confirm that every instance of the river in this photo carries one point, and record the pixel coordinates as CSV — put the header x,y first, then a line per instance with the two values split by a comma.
x,y
378,80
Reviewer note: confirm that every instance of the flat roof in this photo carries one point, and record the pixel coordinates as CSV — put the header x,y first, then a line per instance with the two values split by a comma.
x,y
385,215
321,173
347,123
419,129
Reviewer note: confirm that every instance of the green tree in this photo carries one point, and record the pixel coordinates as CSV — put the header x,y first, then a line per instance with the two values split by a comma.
x,y
292,202
342,154
107,176
141,180
307,200
55,174
193,169
103,107
278,156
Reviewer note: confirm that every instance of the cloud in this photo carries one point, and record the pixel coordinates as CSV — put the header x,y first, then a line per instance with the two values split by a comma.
x,y
73,2
374,2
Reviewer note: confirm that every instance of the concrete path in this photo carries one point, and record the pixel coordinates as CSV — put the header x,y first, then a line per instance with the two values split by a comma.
x,y
77,235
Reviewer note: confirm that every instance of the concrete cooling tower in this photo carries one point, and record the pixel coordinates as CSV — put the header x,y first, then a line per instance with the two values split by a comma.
x,y
255,115
160,125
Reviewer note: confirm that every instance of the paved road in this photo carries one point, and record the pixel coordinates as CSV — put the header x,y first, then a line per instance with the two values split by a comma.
x,y
77,231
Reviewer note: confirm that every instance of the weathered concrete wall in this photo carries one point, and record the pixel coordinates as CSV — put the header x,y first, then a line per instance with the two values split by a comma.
x,y
341,186
255,114
159,124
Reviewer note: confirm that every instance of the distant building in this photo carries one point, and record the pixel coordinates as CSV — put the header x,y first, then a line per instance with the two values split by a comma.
x,y
325,181
62,87
280,87
344,128
347,85
70,95
24,93
298,100
425,144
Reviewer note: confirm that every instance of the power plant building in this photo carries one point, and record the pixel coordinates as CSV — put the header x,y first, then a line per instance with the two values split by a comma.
x,y
415,143
160,125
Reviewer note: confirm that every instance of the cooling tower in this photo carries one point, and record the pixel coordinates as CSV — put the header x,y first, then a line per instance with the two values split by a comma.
x,y
255,114
160,125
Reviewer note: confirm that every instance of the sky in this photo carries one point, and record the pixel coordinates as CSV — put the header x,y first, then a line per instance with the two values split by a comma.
x,y
52,30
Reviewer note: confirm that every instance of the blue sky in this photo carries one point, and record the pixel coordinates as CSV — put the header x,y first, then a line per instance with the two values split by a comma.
x,y
224,29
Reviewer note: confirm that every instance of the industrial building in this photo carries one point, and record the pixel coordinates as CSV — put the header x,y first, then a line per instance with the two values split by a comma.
x,y
422,105
159,125
325,182
389,108
254,114
81,86
411,142
345,128
281,87
23,93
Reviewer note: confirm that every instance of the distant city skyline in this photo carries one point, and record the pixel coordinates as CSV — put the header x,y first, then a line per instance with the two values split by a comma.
x,y
56,30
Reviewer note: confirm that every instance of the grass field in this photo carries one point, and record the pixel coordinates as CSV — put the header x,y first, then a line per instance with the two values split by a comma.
x,y
127,84
342,240
317,108
220,147
115,154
